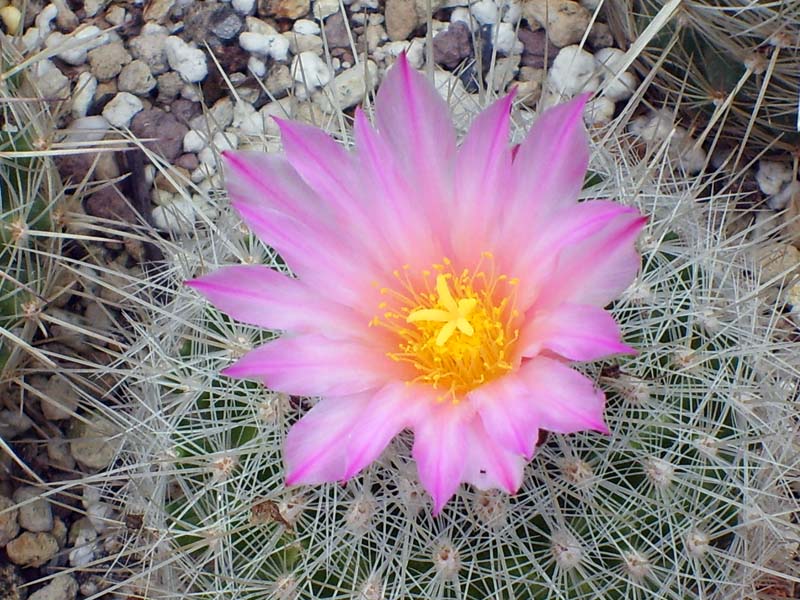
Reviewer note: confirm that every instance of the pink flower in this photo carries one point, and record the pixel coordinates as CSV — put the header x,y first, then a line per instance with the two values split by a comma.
x,y
440,288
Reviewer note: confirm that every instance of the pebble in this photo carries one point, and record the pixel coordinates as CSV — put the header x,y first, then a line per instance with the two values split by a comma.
x,y
177,217
505,39
83,96
279,80
401,19
62,399
336,32
564,20
11,18
32,549
349,88
310,71
274,45
62,587
13,423
772,176
9,524
81,535
537,51
453,45
284,9
573,72
226,23
151,48
257,67
35,513
303,43
610,62
50,81
58,454
121,109
325,8
193,141
115,15
306,27
244,7
78,45
485,12
92,444
107,62
136,78
190,62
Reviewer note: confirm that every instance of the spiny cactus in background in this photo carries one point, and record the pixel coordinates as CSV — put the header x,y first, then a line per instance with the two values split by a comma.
x,y
736,62
687,498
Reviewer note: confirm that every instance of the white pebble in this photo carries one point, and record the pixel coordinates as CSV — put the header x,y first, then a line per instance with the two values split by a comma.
x,y
244,7
513,12
257,67
325,8
598,111
87,130
84,94
609,62
506,40
178,217
225,141
309,70
573,72
461,15
62,587
121,109
193,141
486,12
274,45
254,25
306,27
44,20
772,176
190,62
781,200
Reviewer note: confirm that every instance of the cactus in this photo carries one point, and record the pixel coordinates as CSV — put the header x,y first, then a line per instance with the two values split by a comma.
x,y
687,498
715,50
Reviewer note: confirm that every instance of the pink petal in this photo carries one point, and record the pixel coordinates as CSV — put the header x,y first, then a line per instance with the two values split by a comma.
x,y
599,268
535,259
314,365
390,411
316,446
264,297
490,465
483,168
415,121
440,450
339,437
549,167
575,331
509,420
330,171
563,400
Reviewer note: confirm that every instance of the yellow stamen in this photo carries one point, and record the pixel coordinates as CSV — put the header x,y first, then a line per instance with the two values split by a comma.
x,y
457,331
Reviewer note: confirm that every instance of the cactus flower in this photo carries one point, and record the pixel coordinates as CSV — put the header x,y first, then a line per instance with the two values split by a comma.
x,y
439,287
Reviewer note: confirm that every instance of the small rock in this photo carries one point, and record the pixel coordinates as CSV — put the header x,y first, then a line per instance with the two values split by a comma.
x,y
62,587
600,36
164,127
505,39
121,109
485,12
158,10
349,88
610,61
193,141
284,9
32,549
303,43
772,176
188,61
136,78
452,46
82,535
169,86
401,19
50,81
564,20
109,203
9,525
13,423
34,515
782,199
573,72
274,45
325,8
505,70
310,71
306,27
225,23
77,46
11,18
279,80
58,453
82,98
529,92
115,15
336,32
257,67
95,443
187,161
598,111
177,217
106,62
62,399
151,48
12,586
537,50
244,7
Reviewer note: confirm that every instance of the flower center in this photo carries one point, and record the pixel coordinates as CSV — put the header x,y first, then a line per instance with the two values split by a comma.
x,y
456,328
